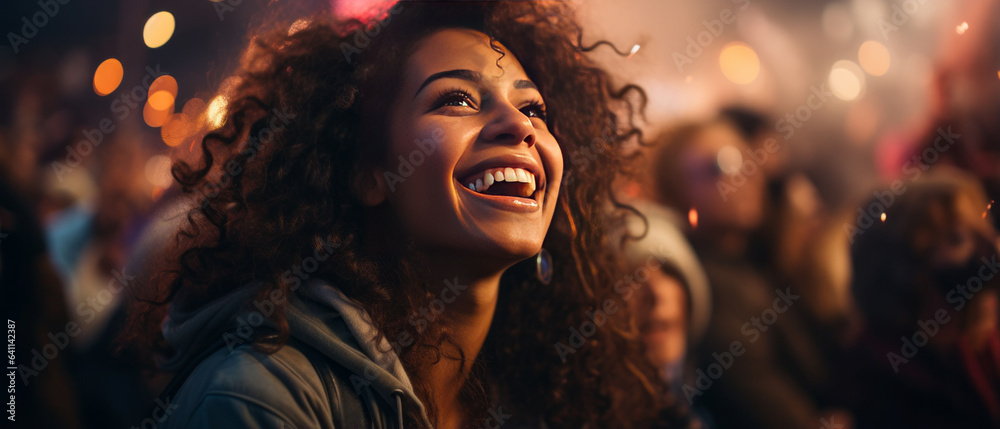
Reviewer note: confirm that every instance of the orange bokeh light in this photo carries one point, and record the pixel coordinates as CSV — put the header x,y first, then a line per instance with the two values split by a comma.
x,y
165,83
177,129
156,117
108,76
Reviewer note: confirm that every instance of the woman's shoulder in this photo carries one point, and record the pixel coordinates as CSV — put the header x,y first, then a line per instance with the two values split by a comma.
x,y
253,389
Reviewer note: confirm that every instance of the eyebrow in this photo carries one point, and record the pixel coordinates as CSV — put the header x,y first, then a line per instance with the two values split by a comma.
x,y
470,76
524,84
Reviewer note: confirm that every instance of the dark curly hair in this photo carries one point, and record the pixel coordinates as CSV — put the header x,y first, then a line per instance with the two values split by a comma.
x,y
295,191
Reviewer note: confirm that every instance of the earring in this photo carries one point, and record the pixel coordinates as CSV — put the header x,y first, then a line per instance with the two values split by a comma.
x,y
543,266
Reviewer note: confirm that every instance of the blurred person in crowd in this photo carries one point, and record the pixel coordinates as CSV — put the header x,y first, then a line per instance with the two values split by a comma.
x,y
92,238
800,242
925,282
83,211
763,363
45,392
437,156
674,304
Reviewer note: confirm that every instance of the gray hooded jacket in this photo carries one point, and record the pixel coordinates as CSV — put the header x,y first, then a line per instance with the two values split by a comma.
x,y
237,386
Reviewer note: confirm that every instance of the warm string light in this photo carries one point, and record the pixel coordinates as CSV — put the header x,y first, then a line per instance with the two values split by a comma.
x,y
962,28
693,218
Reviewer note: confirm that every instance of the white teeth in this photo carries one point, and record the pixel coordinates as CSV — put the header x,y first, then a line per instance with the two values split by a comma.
x,y
521,175
508,174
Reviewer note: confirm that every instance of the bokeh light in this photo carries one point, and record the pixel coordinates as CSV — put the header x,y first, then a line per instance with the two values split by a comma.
x,y
195,110
874,58
166,84
962,28
177,129
161,100
194,107
158,30
693,217
160,104
846,80
739,63
362,10
729,159
108,76
157,171
156,117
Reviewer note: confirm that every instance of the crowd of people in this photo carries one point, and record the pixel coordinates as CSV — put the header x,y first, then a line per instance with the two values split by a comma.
x,y
448,259
884,319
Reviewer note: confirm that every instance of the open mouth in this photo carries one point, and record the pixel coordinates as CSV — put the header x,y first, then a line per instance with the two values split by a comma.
x,y
505,181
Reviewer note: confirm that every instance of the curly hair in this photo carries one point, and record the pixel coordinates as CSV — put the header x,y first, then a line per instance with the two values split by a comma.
x,y
289,193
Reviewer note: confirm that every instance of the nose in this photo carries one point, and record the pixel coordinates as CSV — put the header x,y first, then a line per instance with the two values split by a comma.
x,y
509,126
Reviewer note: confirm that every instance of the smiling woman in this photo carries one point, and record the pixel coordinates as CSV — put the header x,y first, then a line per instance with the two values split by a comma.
x,y
428,170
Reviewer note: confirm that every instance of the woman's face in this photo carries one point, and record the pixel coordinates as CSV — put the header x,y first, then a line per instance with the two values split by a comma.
x,y
665,329
741,206
472,170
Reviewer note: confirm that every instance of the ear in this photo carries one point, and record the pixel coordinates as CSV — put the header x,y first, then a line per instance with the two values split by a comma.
x,y
372,187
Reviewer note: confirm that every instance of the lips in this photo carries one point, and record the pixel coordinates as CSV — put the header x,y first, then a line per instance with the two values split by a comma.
x,y
513,182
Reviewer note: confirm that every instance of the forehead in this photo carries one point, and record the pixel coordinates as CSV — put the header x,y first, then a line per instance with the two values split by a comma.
x,y
460,49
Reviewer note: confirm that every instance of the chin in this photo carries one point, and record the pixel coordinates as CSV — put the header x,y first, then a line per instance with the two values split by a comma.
x,y
513,247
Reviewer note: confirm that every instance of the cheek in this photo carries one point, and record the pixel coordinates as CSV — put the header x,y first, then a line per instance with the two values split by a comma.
x,y
423,153
552,158
420,169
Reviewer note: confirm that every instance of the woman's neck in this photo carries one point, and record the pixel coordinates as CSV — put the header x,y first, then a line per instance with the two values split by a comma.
x,y
469,301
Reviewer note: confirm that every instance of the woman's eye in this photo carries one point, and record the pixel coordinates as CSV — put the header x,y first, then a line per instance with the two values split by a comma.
x,y
456,99
534,110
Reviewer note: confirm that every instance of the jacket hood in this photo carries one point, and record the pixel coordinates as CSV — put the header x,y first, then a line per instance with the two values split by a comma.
x,y
318,314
